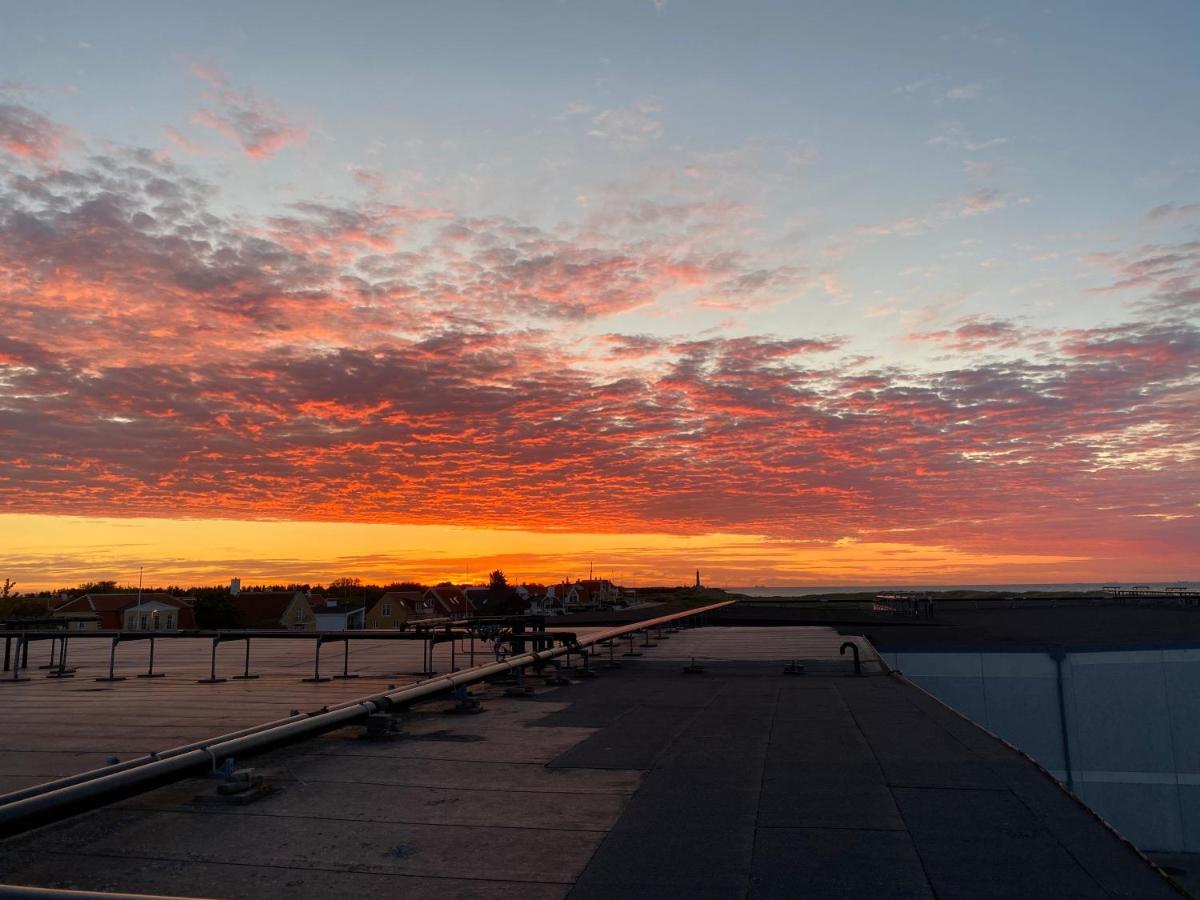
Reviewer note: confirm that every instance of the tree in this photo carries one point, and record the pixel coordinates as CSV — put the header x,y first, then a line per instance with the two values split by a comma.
x,y
97,587
497,581
7,591
216,610
344,585
405,586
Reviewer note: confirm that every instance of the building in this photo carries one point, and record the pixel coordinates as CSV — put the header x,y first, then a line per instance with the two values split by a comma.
x,y
560,596
449,602
276,610
337,615
595,593
154,612
478,598
395,609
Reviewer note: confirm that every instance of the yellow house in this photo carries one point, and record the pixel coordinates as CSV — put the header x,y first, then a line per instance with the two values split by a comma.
x,y
277,610
397,608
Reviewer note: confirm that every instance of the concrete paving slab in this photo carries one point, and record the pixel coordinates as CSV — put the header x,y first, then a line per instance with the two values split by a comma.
x,y
83,871
817,862
797,799
633,741
989,844
518,854
388,803
684,860
472,774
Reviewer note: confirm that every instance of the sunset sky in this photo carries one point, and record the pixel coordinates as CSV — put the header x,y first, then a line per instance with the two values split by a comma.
x,y
795,293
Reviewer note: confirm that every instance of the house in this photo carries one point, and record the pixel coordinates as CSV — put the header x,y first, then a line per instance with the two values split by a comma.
x,y
478,598
561,596
153,612
276,610
595,593
538,599
449,602
396,609
331,614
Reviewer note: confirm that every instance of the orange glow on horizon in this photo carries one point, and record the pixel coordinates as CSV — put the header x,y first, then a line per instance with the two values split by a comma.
x,y
58,551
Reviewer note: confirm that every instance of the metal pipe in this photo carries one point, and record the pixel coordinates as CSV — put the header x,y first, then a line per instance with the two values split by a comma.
x,y
51,802
854,647
21,892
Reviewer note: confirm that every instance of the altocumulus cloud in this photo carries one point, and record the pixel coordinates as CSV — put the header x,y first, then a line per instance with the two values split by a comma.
x,y
387,363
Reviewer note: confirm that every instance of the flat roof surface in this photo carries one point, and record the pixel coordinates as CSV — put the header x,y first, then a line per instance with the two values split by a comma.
x,y
643,782
52,727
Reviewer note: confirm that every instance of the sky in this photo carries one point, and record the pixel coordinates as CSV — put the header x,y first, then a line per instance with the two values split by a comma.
x,y
792,293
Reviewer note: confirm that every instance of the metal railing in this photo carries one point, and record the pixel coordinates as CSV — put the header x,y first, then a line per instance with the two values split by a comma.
x,y
429,633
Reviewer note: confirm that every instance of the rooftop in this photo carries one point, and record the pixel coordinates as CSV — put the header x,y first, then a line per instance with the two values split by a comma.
x,y
646,781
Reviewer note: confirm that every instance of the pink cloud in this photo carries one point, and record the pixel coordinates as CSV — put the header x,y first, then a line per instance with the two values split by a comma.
x,y
255,124
25,132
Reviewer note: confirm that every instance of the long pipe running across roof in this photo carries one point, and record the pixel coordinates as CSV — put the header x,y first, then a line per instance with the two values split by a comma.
x,y
56,800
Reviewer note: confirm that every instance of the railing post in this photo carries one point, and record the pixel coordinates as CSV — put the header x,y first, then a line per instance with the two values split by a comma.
x,y
317,664
246,676
212,678
150,673
112,662
53,646
346,659
62,671
16,663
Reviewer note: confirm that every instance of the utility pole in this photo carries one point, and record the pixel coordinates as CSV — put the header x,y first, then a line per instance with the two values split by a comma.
x,y
138,621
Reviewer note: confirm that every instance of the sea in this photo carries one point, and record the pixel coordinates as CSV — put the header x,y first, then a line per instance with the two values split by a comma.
x,y
759,590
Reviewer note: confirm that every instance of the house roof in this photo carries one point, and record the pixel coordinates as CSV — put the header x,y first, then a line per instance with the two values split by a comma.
x,y
339,606
264,609
402,596
413,601
117,602
451,600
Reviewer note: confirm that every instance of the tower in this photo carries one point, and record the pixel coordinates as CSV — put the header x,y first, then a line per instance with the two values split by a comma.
x,y
697,578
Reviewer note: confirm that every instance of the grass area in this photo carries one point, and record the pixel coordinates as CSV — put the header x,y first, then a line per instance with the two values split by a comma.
x,y
860,597
690,596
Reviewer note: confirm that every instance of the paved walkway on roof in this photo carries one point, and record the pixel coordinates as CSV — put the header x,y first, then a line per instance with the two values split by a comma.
x,y
644,782
818,647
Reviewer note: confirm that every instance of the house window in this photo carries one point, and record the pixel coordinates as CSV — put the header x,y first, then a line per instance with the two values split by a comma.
x,y
145,622
131,621
299,615
170,620
387,610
